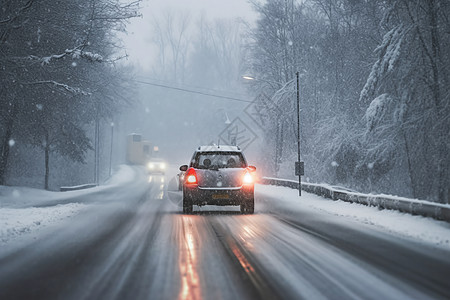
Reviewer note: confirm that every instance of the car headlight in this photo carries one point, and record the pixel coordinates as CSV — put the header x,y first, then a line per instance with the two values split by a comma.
x,y
162,166
151,166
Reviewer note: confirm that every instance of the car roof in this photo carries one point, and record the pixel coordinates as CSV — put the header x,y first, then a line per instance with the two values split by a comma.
x,y
219,148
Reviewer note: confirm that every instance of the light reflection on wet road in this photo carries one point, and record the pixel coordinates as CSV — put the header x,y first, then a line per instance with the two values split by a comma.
x,y
190,288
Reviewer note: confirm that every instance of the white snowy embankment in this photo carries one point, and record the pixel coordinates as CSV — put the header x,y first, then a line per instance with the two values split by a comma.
x,y
382,201
20,214
417,228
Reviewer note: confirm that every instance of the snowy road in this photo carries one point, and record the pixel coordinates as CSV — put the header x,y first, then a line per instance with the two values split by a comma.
x,y
136,244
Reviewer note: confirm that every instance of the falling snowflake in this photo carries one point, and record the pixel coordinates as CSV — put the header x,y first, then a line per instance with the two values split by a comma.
x,y
334,164
39,106
11,142
74,64
370,165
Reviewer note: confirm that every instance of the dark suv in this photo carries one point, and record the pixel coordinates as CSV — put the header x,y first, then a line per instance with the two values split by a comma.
x,y
218,175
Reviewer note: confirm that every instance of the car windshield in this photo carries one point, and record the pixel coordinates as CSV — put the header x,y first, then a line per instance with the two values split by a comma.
x,y
216,160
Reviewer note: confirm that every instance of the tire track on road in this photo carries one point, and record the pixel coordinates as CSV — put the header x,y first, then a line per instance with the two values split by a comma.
x,y
257,285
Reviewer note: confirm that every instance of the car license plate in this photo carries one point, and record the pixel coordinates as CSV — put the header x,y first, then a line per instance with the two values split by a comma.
x,y
220,196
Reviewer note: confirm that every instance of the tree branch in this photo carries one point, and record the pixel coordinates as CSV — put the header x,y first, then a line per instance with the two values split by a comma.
x,y
75,52
62,85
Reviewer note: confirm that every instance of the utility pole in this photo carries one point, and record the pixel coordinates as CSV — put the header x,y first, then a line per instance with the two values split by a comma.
x,y
96,151
111,148
299,166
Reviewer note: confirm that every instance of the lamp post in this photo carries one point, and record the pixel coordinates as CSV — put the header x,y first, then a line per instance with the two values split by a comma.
x,y
299,165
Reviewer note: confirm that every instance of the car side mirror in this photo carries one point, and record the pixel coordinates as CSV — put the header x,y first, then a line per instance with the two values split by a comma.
x,y
184,168
251,168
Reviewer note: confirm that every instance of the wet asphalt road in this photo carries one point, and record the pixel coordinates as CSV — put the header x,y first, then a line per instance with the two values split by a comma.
x,y
140,246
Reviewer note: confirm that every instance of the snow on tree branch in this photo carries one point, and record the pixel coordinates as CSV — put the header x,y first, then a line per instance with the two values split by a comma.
x,y
64,86
376,110
75,53
93,57
389,52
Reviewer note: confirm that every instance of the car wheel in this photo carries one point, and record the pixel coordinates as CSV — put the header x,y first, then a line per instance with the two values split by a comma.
x,y
248,207
187,205
251,206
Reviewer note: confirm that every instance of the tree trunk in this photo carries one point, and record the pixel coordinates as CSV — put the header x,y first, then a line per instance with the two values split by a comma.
x,y
410,167
441,137
47,169
97,151
5,145
47,157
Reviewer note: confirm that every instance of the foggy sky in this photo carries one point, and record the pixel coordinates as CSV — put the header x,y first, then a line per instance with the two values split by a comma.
x,y
137,41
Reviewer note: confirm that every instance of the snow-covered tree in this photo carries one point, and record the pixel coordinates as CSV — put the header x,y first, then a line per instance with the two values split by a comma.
x,y
57,61
374,89
413,66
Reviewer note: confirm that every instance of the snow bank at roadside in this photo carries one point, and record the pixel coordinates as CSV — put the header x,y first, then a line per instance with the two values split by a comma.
x,y
15,222
18,217
422,229
21,197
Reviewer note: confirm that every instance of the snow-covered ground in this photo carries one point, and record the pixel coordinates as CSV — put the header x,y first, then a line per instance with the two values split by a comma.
x,y
26,211
16,222
418,228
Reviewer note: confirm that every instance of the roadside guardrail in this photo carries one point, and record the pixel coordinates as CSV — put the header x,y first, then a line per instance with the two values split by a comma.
x,y
77,187
412,206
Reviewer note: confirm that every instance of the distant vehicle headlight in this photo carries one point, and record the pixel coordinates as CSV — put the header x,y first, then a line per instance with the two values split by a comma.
x,y
151,166
162,166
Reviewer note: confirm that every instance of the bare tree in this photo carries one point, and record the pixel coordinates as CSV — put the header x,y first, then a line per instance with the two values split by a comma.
x,y
172,38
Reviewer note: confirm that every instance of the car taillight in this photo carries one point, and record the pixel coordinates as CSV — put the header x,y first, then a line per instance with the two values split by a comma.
x,y
248,179
191,176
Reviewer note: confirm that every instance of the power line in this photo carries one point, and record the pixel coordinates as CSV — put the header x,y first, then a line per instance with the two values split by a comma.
x,y
192,87
192,91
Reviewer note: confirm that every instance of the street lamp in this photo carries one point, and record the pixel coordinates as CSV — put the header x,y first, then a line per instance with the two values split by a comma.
x,y
299,165
227,121
247,77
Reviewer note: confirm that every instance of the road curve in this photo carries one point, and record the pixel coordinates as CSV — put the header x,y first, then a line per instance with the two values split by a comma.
x,y
143,247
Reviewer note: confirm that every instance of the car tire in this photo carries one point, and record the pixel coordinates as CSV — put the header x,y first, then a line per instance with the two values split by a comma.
x,y
248,207
251,206
187,205
243,208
